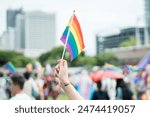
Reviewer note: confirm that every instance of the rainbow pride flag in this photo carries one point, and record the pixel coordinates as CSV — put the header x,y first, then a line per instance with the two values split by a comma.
x,y
10,67
75,44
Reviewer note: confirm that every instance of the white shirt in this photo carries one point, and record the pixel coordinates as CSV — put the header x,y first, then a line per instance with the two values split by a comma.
x,y
3,95
21,96
28,85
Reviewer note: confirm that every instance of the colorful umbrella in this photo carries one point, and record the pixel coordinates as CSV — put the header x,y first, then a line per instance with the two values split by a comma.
x,y
112,74
99,75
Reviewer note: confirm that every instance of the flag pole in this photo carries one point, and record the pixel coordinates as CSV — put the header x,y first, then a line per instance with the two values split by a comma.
x,y
68,35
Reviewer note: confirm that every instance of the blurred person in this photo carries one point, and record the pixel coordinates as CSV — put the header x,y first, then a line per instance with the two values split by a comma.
x,y
122,91
85,85
61,72
29,68
30,87
45,86
3,95
55,88
17,88
39,83
99,94
51,87
128,79
109,85
146,74
8,85
126,73
140,86
146,95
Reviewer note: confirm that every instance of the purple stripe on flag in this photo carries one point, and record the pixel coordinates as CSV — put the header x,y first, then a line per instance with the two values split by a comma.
x,y
63,39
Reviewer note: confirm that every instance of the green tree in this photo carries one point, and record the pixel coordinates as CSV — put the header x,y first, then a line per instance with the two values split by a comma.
x,y
82,60
18,59
21,61
56,53
107,58
130,42
53,55
6,56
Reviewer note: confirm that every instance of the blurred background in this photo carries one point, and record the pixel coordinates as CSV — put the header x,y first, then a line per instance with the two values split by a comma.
x,y
116,58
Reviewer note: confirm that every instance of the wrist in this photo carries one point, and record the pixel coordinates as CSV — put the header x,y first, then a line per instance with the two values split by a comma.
x,y
65,83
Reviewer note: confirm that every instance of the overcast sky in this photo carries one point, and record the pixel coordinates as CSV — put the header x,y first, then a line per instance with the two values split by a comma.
x,y
95,16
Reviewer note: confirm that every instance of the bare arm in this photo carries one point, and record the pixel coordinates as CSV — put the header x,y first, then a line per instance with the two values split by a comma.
x,y
61,71
72,93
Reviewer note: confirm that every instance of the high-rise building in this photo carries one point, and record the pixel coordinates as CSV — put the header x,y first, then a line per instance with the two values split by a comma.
x,y
11,17
4,40
7,39
147,12
34,32
15,30
11,38
40,30
147,21
20,32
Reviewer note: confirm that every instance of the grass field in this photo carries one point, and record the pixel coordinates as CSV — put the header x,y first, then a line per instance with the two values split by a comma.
x,y
62,96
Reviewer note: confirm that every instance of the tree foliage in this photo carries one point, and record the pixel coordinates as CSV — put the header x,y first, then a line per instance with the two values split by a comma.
x,y
107,58
130,42
82,60
18,59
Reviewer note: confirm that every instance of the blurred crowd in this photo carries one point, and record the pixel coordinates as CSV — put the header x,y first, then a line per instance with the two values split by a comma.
x,y
39,83
133,85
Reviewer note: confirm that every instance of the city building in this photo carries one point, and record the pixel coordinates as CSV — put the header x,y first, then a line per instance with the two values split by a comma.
x,y
3,40
30,32
15,28
142,35
147,21
20,32
7,40
11,38
147,13
114,41
40,30
11,17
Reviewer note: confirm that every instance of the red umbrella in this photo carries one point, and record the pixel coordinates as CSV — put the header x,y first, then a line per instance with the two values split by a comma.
x,y
99,75
112,74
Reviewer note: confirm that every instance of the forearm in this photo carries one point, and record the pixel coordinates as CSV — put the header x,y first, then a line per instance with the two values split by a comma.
x,y
72,93
61,71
